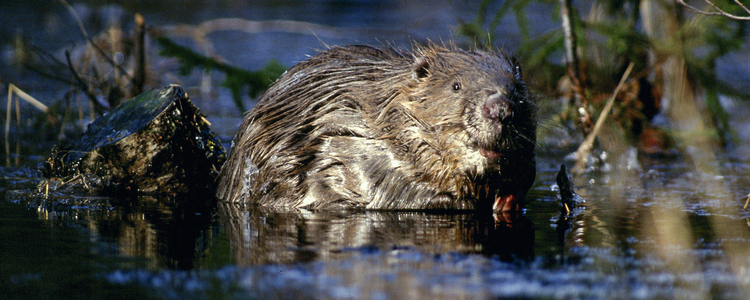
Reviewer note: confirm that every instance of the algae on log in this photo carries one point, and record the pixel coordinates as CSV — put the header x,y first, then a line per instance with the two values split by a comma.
x,y
156,142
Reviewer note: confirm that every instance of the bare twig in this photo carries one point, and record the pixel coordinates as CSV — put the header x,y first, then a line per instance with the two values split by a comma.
x,y
583,150
573,66
48,58
719,11
139,72
12,89
82,85
91,42
254,27
570,37
77,177
7,127
200,32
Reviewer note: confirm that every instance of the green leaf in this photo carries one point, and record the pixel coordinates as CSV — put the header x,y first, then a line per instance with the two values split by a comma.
x,y
236,78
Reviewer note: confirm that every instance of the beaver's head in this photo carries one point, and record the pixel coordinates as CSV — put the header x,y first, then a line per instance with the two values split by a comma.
x,y
481,115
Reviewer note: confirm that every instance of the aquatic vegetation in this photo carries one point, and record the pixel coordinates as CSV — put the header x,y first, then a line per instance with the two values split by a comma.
x,y
674,52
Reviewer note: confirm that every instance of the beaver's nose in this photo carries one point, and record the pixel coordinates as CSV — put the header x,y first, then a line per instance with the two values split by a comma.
x,y
498,108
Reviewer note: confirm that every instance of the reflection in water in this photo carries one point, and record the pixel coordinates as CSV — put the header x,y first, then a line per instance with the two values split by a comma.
x,y
614,247
259,235
169,231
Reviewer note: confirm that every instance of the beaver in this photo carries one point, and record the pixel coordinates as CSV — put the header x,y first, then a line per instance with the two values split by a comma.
x,y
362,127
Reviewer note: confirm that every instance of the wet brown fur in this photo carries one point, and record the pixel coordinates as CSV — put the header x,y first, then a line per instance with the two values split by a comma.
x,y
361,127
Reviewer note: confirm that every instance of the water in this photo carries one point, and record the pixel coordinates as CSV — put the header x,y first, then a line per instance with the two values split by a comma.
x,y
674,228
665,231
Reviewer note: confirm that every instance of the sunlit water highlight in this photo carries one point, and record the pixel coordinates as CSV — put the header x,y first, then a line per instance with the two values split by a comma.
x,y
610,248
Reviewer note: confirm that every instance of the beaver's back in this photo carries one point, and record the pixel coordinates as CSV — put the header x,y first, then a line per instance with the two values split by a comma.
x,y
279,138
350,128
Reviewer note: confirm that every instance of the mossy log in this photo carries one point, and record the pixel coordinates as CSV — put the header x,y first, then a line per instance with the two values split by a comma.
x,y
157,142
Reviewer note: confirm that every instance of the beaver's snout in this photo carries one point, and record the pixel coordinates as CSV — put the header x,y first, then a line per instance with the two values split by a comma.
x,y
498,108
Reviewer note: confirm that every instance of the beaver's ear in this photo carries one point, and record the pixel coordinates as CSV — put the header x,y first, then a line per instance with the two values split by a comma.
x,y
421,68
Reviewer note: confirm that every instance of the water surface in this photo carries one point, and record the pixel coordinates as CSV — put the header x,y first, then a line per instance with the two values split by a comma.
x,y
666,231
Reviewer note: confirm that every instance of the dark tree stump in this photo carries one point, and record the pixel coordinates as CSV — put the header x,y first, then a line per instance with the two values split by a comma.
x,y
157,142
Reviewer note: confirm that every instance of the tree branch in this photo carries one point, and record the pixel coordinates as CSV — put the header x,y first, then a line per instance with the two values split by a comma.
x,y
83,86
585,148
719,11
86,36
573,66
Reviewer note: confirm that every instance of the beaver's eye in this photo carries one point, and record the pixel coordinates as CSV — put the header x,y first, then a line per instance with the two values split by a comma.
x,y
456,86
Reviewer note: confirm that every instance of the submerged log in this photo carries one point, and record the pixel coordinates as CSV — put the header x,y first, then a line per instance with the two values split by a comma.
x,y
157,142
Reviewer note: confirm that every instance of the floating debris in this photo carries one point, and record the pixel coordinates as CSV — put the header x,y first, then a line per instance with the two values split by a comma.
x,y
565,187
